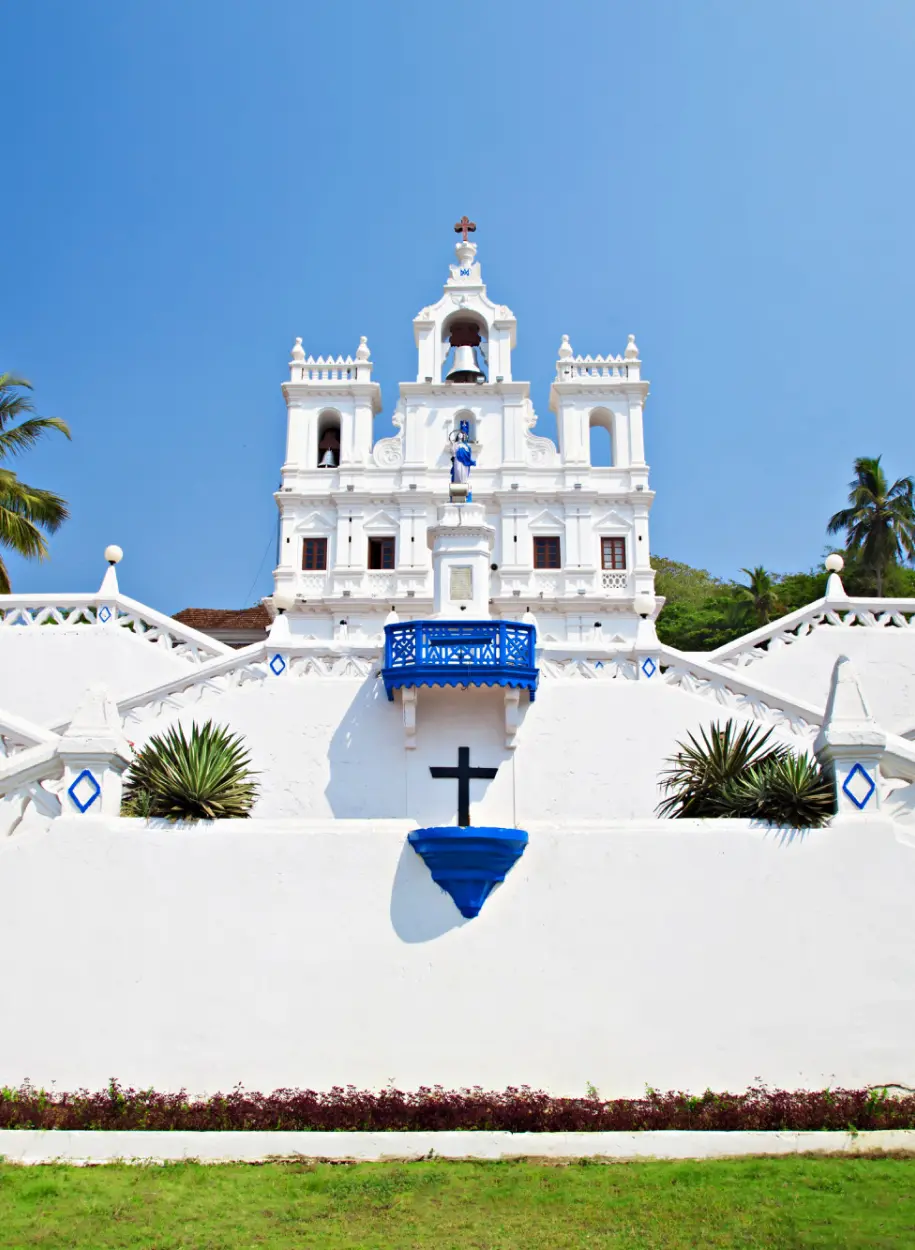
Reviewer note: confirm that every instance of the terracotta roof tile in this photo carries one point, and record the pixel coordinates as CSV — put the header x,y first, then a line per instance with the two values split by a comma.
x,y
224,618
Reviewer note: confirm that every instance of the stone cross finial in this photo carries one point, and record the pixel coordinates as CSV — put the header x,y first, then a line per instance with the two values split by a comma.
x,y
464,227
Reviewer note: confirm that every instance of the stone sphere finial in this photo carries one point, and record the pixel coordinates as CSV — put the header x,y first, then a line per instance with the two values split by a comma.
x,y
834,563
565,348
283,600
632,352
645,603
298,351
362,351
114,554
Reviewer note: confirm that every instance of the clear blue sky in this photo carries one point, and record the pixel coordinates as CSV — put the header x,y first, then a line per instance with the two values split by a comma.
x,y
190,184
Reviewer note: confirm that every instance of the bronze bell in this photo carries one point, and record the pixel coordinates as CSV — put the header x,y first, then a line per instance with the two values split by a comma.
x,y
466,367
465,339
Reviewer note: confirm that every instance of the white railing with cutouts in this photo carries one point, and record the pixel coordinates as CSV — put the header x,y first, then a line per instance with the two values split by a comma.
x,y
822,614
95,611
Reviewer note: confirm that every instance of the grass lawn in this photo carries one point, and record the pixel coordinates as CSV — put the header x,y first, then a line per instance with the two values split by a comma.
x,y
792,1202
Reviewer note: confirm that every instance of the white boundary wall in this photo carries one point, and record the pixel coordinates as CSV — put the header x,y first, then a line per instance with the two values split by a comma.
x,y
35,1146
678,954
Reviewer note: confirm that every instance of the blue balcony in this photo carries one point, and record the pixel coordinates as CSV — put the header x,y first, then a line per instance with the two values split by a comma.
x,y
460,653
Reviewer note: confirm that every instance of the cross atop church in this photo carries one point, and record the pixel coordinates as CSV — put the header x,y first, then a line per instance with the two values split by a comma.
x,y
464,227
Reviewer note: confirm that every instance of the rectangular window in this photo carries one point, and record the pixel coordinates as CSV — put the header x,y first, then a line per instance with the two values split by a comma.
x,y
314,553
613,553
546,552
381,553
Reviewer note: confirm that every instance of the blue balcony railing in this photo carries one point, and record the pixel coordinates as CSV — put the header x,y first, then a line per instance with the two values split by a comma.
x,y
460,653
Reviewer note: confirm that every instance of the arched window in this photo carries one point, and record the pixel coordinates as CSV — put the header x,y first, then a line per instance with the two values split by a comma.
x,y
329,439
600,437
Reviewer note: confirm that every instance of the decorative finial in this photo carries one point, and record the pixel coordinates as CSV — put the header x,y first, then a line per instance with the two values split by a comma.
x,y
464,227
298,352
109,588
632,352
565,348
362,351
834,566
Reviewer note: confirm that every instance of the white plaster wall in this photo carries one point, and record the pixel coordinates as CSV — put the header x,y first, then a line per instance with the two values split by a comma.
x,y
884,659
670,954
44,670
586,750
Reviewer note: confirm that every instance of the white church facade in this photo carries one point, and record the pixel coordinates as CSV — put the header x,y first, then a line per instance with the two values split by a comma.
x,y
454,873
570,540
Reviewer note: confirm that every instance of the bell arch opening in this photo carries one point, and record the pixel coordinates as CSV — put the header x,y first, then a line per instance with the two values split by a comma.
x,y
328,439
601,441
464,347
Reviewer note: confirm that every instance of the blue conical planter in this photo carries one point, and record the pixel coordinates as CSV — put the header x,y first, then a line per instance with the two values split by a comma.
x,y
468,862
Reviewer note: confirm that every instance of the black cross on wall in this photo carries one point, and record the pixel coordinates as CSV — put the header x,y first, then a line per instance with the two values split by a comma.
x,y
463,774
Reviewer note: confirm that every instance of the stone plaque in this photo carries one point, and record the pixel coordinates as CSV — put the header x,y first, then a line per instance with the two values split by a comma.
x,y
461,582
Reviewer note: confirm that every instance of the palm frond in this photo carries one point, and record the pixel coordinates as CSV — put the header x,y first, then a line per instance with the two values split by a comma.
x,y
41,507
12,402
19,438
19,534
879,523
24,510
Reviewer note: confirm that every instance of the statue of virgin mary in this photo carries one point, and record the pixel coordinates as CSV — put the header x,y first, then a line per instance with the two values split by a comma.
x,y
461,458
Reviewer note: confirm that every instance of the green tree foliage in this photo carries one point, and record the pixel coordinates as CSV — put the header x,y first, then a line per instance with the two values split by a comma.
x,y
756,603
695,616
702,612
203,777
24,510
879,522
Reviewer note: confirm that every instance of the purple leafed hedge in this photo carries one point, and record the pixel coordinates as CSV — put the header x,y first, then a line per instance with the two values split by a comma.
x,y
520,1110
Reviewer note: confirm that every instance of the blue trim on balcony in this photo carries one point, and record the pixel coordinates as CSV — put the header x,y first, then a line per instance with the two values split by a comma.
x,y
460,653
469,863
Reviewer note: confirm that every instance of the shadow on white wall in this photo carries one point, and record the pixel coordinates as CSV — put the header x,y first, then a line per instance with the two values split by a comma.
x,y
420,910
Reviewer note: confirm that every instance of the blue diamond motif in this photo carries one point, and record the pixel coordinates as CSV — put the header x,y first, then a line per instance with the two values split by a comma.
x,y
649,668
865,786
88,786
599,664
277,665
104,614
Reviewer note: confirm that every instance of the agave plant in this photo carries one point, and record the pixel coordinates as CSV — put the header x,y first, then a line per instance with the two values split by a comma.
x,y
202,777
792,790
699,770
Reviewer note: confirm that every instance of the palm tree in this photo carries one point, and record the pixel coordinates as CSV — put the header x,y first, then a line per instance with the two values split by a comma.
x,y
757,603
880,523
24,510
